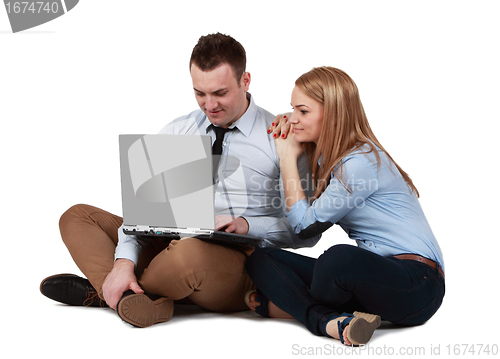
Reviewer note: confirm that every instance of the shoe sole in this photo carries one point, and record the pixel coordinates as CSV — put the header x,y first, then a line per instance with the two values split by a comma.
x,y
140,311
361,327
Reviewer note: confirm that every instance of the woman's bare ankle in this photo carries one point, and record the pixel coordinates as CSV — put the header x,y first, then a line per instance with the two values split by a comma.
x,y
333,331
275,312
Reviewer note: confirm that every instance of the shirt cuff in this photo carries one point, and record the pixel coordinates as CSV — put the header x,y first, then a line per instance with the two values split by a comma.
x,y
256,227
129,247
296,213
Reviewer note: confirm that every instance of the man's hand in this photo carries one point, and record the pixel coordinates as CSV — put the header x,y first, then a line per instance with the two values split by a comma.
x,y
229,224
119,280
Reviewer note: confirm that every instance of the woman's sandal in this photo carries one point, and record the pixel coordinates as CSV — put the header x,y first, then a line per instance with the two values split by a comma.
x,y
262,309
360,327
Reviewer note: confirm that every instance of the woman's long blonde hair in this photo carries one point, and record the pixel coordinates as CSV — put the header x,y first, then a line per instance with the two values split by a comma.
x,y
345,127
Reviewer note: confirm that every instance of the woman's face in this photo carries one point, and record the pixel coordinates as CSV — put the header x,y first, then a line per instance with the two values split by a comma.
x,y
307,117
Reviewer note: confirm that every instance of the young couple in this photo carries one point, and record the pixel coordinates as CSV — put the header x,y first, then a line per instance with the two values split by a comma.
x,y
394,273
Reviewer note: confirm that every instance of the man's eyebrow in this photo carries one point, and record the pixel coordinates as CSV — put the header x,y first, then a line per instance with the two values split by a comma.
x,y
215,92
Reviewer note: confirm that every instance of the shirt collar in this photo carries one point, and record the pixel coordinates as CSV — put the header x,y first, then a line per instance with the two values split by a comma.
x,y
244,123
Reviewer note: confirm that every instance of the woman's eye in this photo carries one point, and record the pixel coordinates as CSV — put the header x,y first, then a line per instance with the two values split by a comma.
x,y
303,112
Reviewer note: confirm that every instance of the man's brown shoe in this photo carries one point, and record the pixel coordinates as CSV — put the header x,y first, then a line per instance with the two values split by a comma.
x,y
142,311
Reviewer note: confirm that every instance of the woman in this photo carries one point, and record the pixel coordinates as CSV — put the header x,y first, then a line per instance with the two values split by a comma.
x,y
395,272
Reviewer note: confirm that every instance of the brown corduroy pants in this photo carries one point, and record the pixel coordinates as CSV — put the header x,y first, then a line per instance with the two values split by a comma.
x,y
210,275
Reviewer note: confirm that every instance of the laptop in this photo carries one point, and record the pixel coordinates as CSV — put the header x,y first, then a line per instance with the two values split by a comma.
x,y
167,188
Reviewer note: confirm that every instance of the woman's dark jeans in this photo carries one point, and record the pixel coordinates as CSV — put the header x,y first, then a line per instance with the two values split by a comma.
x,y
344,279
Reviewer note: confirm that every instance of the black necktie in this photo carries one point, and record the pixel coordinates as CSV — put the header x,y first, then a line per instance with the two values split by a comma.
x,y
217,147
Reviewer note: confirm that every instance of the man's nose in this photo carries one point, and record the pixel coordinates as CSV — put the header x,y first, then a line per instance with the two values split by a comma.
x,y
211,103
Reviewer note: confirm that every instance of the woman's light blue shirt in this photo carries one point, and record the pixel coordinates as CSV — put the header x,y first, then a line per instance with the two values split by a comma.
x,y
381,213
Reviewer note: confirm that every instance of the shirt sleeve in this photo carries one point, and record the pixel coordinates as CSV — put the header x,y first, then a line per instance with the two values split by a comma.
x,y
361,180
277,231
129,247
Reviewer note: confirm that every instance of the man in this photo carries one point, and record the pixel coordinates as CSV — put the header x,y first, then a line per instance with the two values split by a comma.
x,y
121,269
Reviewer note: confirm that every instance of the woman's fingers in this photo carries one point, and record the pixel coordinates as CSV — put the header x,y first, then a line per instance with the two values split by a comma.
x,y
280,126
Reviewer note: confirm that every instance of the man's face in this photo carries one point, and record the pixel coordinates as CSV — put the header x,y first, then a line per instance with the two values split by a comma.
x,y
221,97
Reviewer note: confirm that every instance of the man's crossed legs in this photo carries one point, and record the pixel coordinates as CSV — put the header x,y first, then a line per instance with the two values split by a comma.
x,y
210,275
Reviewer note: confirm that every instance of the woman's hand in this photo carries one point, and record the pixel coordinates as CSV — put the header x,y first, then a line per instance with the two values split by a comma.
x,y
288,148
280,126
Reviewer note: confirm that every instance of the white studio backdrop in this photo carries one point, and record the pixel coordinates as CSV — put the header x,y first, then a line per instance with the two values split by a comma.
x,y
428,76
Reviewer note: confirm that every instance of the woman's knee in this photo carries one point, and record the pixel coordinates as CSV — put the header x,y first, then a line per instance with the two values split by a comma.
x,y
254,261
338,258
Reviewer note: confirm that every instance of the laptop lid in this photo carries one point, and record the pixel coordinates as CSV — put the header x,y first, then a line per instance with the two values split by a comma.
x,y
167,181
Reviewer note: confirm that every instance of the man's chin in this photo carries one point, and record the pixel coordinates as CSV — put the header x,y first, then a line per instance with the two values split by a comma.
x,y
218,120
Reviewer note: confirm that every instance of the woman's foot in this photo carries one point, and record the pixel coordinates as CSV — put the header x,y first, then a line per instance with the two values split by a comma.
x,y
274,311
332,330
356,329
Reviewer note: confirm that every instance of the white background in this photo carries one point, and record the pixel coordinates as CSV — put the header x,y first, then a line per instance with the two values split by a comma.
x,y
429,79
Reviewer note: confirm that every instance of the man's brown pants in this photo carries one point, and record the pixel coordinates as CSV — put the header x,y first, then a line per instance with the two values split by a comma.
x,y
210,275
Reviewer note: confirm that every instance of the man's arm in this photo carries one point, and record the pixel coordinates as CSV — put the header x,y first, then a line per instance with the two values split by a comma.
x,y
122,276
119,280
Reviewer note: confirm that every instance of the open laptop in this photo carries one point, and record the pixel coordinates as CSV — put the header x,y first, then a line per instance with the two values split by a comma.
x,y
167,188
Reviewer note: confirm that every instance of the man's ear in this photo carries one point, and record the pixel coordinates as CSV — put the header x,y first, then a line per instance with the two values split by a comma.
x,y
245,81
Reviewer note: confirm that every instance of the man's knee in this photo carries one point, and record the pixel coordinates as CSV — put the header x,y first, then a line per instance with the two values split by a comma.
x,y
72,215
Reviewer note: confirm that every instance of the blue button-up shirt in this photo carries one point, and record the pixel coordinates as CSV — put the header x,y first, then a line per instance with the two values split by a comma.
x,y
381,213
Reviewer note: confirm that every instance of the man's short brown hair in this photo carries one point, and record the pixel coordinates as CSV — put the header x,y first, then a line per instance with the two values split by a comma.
x,y
213,50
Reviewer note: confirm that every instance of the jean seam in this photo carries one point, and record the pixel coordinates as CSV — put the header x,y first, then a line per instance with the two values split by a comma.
x,y
319,317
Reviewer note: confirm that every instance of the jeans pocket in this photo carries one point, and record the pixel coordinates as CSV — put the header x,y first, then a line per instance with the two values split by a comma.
x,y
429,288
423,315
